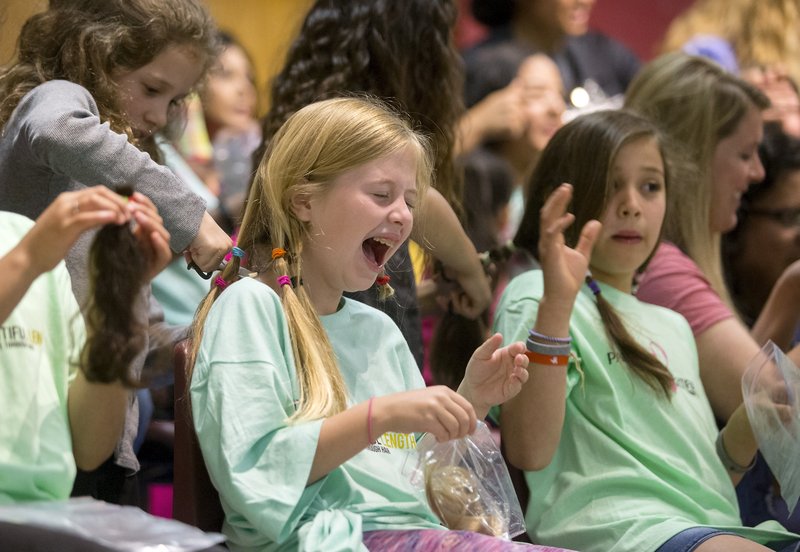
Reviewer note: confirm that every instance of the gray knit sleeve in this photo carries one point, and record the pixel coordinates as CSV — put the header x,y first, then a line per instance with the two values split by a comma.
x,y
62,126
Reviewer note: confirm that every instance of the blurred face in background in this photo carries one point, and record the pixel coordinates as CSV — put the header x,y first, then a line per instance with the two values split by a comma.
x,y
770,236
543,98
571,17
735,166
229,98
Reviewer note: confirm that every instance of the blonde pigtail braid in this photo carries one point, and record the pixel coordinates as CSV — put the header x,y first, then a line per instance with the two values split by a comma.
x,y
322,388
640,361
229,275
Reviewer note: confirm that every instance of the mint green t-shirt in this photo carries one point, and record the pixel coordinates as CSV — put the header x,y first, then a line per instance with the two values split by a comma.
x,y
39,342
243,389
632,469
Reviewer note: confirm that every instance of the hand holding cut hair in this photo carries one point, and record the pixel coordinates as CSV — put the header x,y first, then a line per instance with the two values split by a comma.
x,y
564,267
152,237
494,374
66,218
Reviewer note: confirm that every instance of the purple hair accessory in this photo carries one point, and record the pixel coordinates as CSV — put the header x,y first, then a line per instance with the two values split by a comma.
x,y
284,281
592,283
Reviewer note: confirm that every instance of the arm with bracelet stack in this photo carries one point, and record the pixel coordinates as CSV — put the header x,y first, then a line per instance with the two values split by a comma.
x,y
532,446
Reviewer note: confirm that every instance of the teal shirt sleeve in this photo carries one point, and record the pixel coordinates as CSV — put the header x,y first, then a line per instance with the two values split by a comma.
x,y
243,390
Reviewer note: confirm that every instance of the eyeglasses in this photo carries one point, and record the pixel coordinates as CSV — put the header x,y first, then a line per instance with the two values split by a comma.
x,y
788,217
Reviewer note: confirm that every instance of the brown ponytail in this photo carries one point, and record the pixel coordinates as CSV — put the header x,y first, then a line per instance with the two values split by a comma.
x,y
639,360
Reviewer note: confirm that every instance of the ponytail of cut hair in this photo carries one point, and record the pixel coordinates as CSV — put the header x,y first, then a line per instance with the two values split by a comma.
x,y
115,330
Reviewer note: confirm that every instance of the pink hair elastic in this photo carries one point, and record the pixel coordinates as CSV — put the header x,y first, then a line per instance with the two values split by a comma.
x,y
284,281
220,282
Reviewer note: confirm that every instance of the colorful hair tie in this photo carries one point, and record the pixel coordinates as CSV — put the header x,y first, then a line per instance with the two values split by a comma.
x,y
220,282
383,279
278,252
592,283
237,252
284,281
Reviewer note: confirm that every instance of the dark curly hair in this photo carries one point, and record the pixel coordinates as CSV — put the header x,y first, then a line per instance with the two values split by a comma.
x,y
400,51
88,41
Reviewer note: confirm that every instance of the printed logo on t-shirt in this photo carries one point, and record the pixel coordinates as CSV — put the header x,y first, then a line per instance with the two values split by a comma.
x,y
12,337
391,440
687,385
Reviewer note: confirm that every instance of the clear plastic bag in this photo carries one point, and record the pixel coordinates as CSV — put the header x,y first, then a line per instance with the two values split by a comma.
x,y
467,485
770,386
123,528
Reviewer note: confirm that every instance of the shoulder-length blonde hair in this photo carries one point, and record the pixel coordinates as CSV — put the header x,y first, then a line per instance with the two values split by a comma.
x,y
696,104
316,144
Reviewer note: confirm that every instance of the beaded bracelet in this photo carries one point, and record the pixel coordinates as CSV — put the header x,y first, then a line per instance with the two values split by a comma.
x,y
729,463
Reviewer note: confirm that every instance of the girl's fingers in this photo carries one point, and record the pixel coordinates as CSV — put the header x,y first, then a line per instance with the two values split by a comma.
x,y
465,412
150,224
487,348
560,225
141,203
556,203
160,251
450,423
458,421
588,237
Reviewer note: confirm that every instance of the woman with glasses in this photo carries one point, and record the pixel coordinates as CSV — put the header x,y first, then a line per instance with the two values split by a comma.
x,y
760,254
761,258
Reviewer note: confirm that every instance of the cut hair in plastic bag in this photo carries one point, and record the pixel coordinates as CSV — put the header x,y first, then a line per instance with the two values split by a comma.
x,y
467,485
771,386
123,528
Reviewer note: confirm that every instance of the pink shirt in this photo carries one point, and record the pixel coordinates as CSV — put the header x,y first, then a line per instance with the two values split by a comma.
x,y
673,280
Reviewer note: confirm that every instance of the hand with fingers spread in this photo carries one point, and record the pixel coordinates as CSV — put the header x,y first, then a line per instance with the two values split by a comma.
x,y
494,374
437,410
564,268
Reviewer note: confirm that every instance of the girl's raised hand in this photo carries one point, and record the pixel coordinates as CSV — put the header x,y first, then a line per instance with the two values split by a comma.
x,y
437,410
564,268
494,374
152,237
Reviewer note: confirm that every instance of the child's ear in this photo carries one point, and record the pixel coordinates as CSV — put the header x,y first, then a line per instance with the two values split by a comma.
x,y
300,203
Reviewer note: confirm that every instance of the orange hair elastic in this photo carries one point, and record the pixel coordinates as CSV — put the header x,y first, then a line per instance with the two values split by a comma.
x,y
278,252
